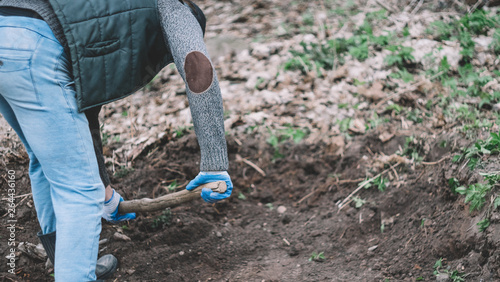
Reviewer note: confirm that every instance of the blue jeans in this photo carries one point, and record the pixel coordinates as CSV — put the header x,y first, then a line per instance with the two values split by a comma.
x,y
37,98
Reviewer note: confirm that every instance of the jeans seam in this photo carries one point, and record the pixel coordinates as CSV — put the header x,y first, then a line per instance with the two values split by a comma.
x,y
33,82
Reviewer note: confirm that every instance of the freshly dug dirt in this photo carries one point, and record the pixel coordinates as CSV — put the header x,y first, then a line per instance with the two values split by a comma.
x,y
269,228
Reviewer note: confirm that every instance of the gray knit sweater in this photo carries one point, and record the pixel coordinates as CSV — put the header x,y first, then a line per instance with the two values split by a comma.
x,y
183,35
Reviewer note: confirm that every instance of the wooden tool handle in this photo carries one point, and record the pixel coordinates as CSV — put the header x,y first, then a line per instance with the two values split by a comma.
x,y
170,200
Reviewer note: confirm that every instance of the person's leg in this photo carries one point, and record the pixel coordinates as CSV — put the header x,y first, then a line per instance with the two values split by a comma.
x,y
95,130
38,86
41,191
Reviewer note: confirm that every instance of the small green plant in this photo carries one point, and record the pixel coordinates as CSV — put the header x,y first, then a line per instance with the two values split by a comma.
x,y
360,52
358,202
380,182
483,224
296,134
415,116
123,171
440,30
454,275
280,136
394,108
478,22
270,206
376,15
375,121
474,80
181,131
495,44
400,56
162,220
382,228
404,75
478,150
242,196
105,138
259,81
317,257
493,178
454,184
315,57
345,124
412,149
475,194
308,19
496,203
172,186
437,265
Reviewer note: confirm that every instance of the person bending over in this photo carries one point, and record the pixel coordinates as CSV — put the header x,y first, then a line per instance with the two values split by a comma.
x,y
50,74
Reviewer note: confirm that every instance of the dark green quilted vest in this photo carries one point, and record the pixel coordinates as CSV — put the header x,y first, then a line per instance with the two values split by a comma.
x,y
116,46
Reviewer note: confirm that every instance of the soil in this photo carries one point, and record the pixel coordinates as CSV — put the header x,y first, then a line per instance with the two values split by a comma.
x,y
256,239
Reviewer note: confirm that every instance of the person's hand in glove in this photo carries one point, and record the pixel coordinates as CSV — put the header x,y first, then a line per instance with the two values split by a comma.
x,y
110,212
212,176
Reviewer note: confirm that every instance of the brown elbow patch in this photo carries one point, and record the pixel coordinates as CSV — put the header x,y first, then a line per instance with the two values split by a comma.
x,y
199,72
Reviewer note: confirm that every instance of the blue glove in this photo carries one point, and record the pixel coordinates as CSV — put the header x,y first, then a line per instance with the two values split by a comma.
x,y
110,212
206,177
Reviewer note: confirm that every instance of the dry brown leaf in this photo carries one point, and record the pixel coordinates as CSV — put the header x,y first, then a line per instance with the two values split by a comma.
x,y
385,136
358,126
373,93
339,73
336,146
392,159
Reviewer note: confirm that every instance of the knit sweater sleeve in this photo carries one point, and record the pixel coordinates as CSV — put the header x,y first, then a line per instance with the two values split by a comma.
x,y
184,37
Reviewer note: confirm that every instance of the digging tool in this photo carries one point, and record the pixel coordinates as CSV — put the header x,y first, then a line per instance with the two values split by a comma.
x,y
170,200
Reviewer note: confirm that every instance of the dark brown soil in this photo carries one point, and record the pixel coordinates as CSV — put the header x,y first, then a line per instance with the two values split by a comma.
x,y
249,240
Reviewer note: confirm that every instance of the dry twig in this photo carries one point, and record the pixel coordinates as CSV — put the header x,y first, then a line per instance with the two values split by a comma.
x,y
438,162
387,7
305,197
347,200
349,181
417,8
478,3
254,166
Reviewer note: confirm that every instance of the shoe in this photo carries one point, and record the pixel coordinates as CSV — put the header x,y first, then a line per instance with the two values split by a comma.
x,y
105,267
